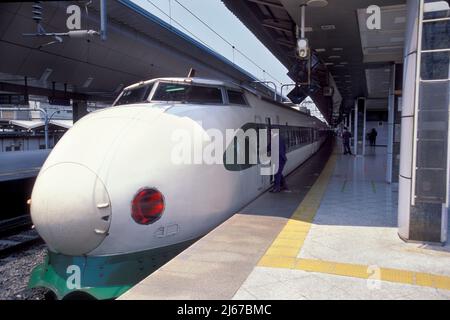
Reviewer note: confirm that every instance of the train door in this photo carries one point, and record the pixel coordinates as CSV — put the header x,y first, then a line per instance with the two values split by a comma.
x,y
259,178
269,179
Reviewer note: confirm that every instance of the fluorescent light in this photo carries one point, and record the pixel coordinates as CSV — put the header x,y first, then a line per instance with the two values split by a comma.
x,y
47,72
338,49
88,82
334,57
397,39
328,27
400,20
321,50
389,48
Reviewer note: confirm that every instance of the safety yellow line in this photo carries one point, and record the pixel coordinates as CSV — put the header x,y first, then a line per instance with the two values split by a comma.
x,y
284,250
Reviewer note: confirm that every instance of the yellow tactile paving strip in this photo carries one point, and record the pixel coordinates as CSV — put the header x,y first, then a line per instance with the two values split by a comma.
x,y
284,250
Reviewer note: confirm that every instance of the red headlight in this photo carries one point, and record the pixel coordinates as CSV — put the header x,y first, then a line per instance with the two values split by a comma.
x,y
147,206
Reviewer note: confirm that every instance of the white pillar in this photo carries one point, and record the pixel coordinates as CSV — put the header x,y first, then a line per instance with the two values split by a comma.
x,y
408,114
355,128
424,177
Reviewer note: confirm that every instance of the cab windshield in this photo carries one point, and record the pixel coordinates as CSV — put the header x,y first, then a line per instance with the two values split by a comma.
x,y
187,93
135,95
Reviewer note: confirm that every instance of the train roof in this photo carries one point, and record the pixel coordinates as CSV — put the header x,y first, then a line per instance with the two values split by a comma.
x,y
195,80
219,83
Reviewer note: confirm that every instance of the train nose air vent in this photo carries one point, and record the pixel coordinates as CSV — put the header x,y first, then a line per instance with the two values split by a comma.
x,y
71,209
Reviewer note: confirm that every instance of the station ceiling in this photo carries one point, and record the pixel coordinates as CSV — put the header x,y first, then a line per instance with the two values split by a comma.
x,y
357,58
139,47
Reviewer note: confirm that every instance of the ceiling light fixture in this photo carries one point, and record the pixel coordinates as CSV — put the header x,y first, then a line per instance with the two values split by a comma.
x,y
88,82
317,3
397,39
328,27
400,20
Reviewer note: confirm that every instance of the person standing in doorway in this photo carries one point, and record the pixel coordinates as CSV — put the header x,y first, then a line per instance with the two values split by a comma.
x,y
280,182
346,136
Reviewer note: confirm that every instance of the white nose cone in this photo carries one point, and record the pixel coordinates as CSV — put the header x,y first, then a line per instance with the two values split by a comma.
x,y
71,209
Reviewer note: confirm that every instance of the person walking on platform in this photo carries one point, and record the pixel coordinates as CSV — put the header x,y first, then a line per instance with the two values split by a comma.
x,y
280,181
346,136
373,137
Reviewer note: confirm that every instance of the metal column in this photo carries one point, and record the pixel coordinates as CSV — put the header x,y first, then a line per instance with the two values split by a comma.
x,y
391,113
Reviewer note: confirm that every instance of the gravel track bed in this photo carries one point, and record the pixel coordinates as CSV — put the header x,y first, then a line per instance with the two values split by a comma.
x,y
15,271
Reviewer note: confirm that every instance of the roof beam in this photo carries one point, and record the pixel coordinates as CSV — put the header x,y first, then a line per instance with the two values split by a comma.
x,y
269,4
279,28
21,89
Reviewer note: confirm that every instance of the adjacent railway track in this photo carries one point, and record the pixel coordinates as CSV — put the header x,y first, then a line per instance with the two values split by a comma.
x,y
14,225
16,234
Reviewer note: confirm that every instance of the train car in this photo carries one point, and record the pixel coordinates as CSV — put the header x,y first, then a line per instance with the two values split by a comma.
x,y
124,190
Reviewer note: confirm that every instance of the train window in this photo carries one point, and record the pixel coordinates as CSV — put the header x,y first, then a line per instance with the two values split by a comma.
x,y
186,93
236,97
135,95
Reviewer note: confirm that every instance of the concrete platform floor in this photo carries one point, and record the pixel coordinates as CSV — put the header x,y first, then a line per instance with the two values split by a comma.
x,y
333,237
349,248
217,265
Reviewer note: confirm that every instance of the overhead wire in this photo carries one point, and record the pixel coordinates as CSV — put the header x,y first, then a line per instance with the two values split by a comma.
x,y
226,41
214,31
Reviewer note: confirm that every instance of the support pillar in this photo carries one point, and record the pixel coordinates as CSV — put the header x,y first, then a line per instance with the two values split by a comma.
x,y
79,110
398,102
424,165
359,132
391,114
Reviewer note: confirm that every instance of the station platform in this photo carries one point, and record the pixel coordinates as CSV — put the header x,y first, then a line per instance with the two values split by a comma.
x,y
333,237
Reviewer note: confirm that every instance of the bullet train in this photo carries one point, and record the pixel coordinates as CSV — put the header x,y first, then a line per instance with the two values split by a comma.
x,y
113,202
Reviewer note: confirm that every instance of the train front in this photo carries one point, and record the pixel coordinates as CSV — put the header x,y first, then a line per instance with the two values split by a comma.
x,y
108,198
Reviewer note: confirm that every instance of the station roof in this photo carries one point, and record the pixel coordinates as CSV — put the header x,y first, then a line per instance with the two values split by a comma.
x,y
139,47
31,125
356,57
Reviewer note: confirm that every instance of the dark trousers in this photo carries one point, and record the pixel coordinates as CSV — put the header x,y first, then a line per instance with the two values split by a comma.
x,y
280,182
347,149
